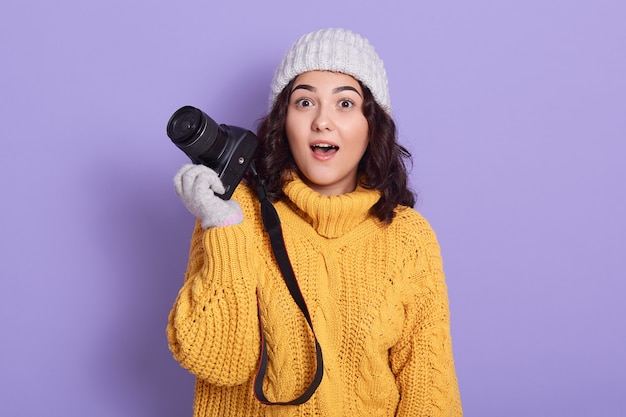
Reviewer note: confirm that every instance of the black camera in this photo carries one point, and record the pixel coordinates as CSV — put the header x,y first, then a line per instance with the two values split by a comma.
x,y
225,149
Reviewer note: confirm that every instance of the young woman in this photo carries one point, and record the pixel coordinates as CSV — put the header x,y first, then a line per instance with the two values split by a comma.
x,y
367,264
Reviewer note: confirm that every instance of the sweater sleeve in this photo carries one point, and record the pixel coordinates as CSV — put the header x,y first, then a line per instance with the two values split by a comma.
x,y
422,360
213,326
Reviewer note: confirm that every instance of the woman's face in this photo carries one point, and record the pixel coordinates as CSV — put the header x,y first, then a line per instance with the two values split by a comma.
x,y
326,130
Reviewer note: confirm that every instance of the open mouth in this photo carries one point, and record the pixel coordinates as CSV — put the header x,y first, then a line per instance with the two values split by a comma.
x,y
324,148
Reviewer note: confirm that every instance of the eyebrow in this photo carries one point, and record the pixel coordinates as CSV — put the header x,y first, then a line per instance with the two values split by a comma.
x,y
335,90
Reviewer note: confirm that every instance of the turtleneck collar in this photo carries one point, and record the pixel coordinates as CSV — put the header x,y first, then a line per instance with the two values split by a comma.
x,y
331,216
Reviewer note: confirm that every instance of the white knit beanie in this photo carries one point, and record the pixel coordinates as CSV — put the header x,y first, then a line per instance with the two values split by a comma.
x,y
338,50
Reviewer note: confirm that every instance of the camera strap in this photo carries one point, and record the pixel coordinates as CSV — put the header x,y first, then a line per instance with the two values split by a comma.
x,y
271,222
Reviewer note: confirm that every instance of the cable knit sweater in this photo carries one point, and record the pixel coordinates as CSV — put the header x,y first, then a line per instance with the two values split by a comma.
x,y
376,294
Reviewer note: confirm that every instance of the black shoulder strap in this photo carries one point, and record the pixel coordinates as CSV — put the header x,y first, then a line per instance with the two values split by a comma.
x,y
271,222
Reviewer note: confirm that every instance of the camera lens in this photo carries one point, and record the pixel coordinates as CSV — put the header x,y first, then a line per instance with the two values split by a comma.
x,y
196,134
185,125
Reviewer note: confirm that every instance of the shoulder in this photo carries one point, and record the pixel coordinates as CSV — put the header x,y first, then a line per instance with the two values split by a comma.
x,y
414,235
250,205
412,223
421,254
245,196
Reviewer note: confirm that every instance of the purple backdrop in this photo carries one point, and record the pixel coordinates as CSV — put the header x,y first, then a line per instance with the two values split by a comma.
x,y
515,113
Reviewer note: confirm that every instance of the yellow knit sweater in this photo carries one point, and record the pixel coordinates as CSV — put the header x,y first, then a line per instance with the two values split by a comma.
x,y
376,295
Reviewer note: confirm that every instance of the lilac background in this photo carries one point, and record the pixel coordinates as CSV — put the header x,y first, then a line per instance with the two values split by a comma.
x,y
515,112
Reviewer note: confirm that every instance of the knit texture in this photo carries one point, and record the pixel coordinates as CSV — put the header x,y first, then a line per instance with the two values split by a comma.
x,y
377,298
338,50
196,186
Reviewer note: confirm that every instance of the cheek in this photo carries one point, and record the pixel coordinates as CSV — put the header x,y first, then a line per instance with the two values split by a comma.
x,y
363,134
295,131
291,129
291,138
292,143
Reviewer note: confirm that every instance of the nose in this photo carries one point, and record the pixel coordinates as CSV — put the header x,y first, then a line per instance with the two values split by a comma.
x,y
323,119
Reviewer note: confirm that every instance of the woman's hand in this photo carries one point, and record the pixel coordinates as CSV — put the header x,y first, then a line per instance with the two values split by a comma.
x,y
196,186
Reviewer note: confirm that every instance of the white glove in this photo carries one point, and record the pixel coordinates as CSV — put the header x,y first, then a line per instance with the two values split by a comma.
x,y
196,186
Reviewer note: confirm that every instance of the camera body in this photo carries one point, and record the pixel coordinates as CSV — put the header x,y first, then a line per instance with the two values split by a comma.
x,y
224,148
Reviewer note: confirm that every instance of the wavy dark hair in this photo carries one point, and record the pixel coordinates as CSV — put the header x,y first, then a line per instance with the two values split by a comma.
x,y
382,167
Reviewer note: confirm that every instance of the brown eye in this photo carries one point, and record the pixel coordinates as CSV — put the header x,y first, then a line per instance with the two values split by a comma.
x,y
303,102
346,104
